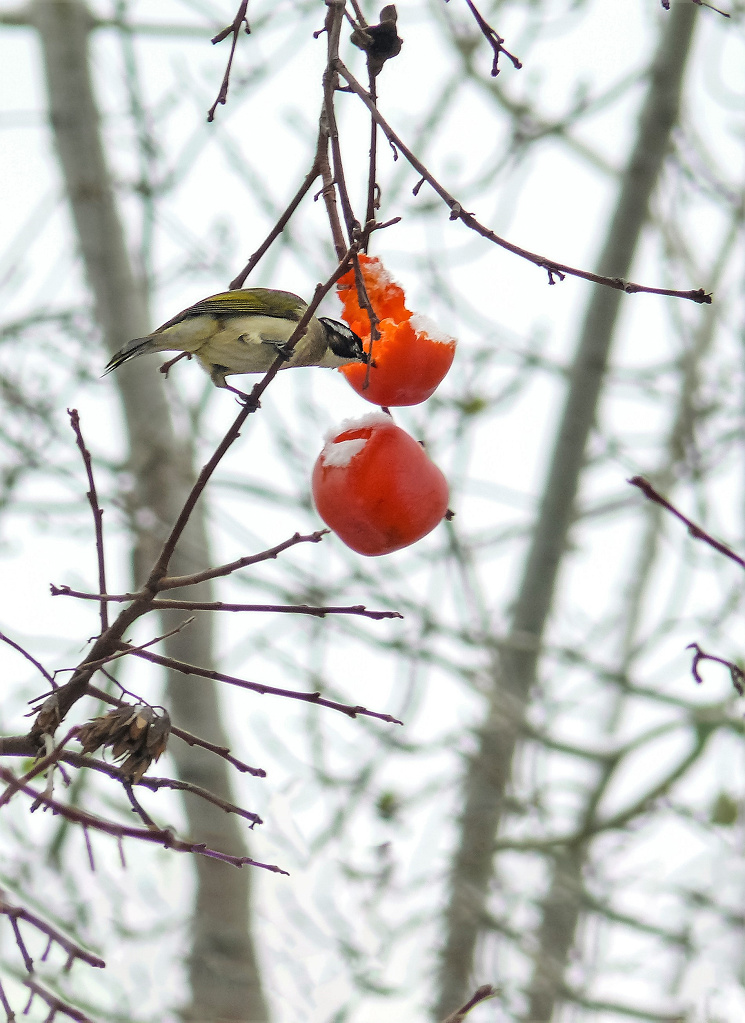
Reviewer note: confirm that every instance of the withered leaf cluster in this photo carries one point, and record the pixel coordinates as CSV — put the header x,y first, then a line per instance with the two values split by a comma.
x,y
137,735
380,42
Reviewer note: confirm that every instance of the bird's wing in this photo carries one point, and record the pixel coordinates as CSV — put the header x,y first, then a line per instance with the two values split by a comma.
x,y
244,302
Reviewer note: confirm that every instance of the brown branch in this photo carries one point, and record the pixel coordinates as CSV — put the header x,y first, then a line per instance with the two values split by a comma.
x,y
327,188
191,740
240,278
364,302
162,836
72,948
18,746
220,605
373,192
55,1003
9,1014
161,565
173,582
21,944
154,784
696,531
481,994
97,512
494,40
251,404
735,671
700,3
232,29
41,765
334,19
298,609
137,808
82,760
555,270
263,690
27,655
118,654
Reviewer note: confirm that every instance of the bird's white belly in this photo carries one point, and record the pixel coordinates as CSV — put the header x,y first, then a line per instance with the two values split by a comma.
x,y
247,345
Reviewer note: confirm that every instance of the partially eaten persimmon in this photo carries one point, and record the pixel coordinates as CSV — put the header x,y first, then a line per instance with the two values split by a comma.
x,y
386,296
411,356
376,487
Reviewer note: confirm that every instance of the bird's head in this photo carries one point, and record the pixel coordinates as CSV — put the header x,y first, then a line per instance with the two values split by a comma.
x,y
343,344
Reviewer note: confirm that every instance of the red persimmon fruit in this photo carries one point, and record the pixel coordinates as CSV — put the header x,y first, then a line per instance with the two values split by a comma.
x,y
376,487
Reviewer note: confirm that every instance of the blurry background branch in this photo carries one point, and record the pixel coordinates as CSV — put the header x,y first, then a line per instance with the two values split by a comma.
x,y
223,973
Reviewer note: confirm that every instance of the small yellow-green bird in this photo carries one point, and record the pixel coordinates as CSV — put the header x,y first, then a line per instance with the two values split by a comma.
x,y
243,331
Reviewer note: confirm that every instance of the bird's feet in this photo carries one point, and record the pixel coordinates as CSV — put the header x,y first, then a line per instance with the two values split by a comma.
x,y
219,374
279,348
246,400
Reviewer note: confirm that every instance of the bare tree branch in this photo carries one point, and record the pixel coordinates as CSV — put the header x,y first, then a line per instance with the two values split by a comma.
x,y
457,212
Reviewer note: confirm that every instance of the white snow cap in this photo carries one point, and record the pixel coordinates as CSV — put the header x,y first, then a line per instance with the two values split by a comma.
x,y
422,324
381,275
369,419
341,452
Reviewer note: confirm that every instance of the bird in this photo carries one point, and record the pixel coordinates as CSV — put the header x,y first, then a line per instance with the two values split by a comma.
x,y
243,331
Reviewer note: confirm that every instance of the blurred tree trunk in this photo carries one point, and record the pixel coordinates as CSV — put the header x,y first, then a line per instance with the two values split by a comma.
x,y
225,983
515,669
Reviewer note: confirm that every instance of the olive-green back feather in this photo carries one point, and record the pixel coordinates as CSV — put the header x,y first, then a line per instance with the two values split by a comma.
x,y
244,302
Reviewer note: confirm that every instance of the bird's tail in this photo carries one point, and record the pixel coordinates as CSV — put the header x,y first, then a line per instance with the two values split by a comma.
x,y
138,346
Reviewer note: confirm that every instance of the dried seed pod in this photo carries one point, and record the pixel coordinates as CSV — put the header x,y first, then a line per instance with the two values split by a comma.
x,y
136,734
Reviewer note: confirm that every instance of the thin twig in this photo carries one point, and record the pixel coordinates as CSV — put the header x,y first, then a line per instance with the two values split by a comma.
x,y
258,687
700,3
696,531
9,1014
21,944
334,19
41,765
481,994
737,675
373,197
83,760
174,582
233,29
97,512
364,302
72,948
240,278
55,1003
163,836
27,655
220,605
494,40
220,751
118,654
554,270
328,190
141,812
154,784
295,609
187,737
